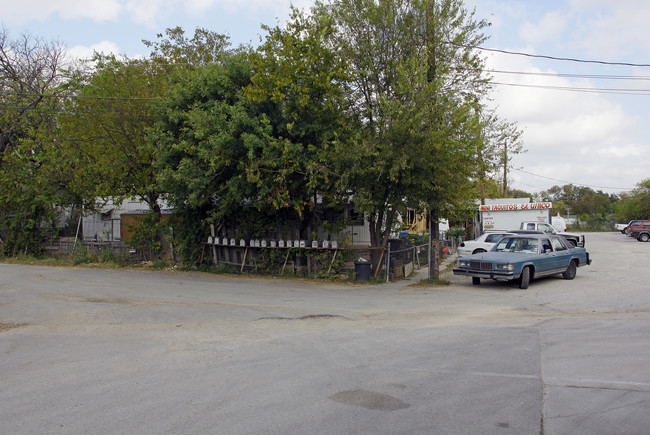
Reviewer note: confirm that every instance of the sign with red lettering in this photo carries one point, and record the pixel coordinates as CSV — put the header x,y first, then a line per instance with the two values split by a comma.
x,y
514,207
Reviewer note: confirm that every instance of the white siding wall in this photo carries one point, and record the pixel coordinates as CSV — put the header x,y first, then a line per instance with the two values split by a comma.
x,y
106,225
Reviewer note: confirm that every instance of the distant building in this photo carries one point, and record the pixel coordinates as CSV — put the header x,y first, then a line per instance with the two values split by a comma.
x,y
114,222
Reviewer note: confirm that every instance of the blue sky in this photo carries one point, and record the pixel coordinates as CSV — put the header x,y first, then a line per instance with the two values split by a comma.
x,y
598,139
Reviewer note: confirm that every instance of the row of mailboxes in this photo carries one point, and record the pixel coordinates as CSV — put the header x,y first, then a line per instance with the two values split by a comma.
x,y
225,241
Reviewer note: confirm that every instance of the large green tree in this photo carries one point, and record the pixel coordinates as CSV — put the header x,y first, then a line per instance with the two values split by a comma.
x,y
579,200
635,204
301,85
498,143
103,135
32,82
104,126
417,80
258,138
205,125
174,50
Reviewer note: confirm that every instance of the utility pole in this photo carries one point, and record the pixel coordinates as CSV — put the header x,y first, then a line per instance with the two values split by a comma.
x,y
480,146
505,167
434,215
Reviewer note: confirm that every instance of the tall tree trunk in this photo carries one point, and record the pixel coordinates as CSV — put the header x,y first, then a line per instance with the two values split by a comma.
x,y
434,244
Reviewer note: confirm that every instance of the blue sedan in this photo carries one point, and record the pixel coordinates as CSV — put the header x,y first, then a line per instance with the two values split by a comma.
x,y
524,257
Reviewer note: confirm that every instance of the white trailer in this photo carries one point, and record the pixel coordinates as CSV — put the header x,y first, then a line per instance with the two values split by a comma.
x,y
509,216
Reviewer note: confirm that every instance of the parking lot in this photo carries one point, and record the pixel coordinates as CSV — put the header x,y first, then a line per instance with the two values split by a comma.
x,y
117,351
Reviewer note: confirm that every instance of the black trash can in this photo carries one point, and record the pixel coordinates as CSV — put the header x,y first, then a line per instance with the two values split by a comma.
x,y
362,269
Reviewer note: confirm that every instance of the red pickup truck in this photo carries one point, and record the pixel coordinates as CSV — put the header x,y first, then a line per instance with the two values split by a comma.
x,y
640,230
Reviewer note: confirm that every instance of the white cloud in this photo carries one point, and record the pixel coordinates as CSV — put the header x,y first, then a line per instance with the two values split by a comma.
x,y
39,10
613,30
550,27
635,151
82,52
148,12
580,138
279,7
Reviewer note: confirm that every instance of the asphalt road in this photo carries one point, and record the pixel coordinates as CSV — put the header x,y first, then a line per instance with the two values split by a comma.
x,y
114,351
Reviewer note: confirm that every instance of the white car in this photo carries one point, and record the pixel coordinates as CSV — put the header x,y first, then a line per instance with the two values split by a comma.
x,y
620,227
483,243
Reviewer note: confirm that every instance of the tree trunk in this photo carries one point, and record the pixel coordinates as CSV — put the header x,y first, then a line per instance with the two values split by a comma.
x,y
434,245
379,238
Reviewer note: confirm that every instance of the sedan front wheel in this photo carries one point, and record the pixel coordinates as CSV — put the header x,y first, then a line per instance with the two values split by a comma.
x,y
525,278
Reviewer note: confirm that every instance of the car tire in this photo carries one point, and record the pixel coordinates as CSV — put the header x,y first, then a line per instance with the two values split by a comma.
x,y
476,280
570,271
478,251
524,280
643,237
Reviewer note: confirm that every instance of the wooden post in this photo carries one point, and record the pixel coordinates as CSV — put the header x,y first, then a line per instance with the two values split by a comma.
x,y
332,262
214,248
285,261
380,261
243,261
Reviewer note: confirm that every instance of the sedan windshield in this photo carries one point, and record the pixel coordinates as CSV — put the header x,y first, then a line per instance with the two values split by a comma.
x,y
515,244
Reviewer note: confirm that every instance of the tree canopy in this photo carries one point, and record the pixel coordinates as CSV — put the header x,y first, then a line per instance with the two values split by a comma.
x,y
416,86
375,103
205,127
32,79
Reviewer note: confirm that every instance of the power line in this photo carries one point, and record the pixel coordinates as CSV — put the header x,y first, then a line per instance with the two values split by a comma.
x,y
618,91
566,59
577,184
529,185
578,76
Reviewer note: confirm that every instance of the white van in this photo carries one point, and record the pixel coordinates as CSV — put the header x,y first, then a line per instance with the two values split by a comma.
x,y
558,223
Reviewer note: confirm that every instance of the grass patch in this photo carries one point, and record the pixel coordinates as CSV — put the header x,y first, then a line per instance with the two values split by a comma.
x,y
41,261
7,326
80,257
431,282
159,265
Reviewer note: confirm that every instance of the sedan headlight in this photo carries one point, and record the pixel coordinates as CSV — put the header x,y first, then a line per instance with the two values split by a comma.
x,y
463,263
509,267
